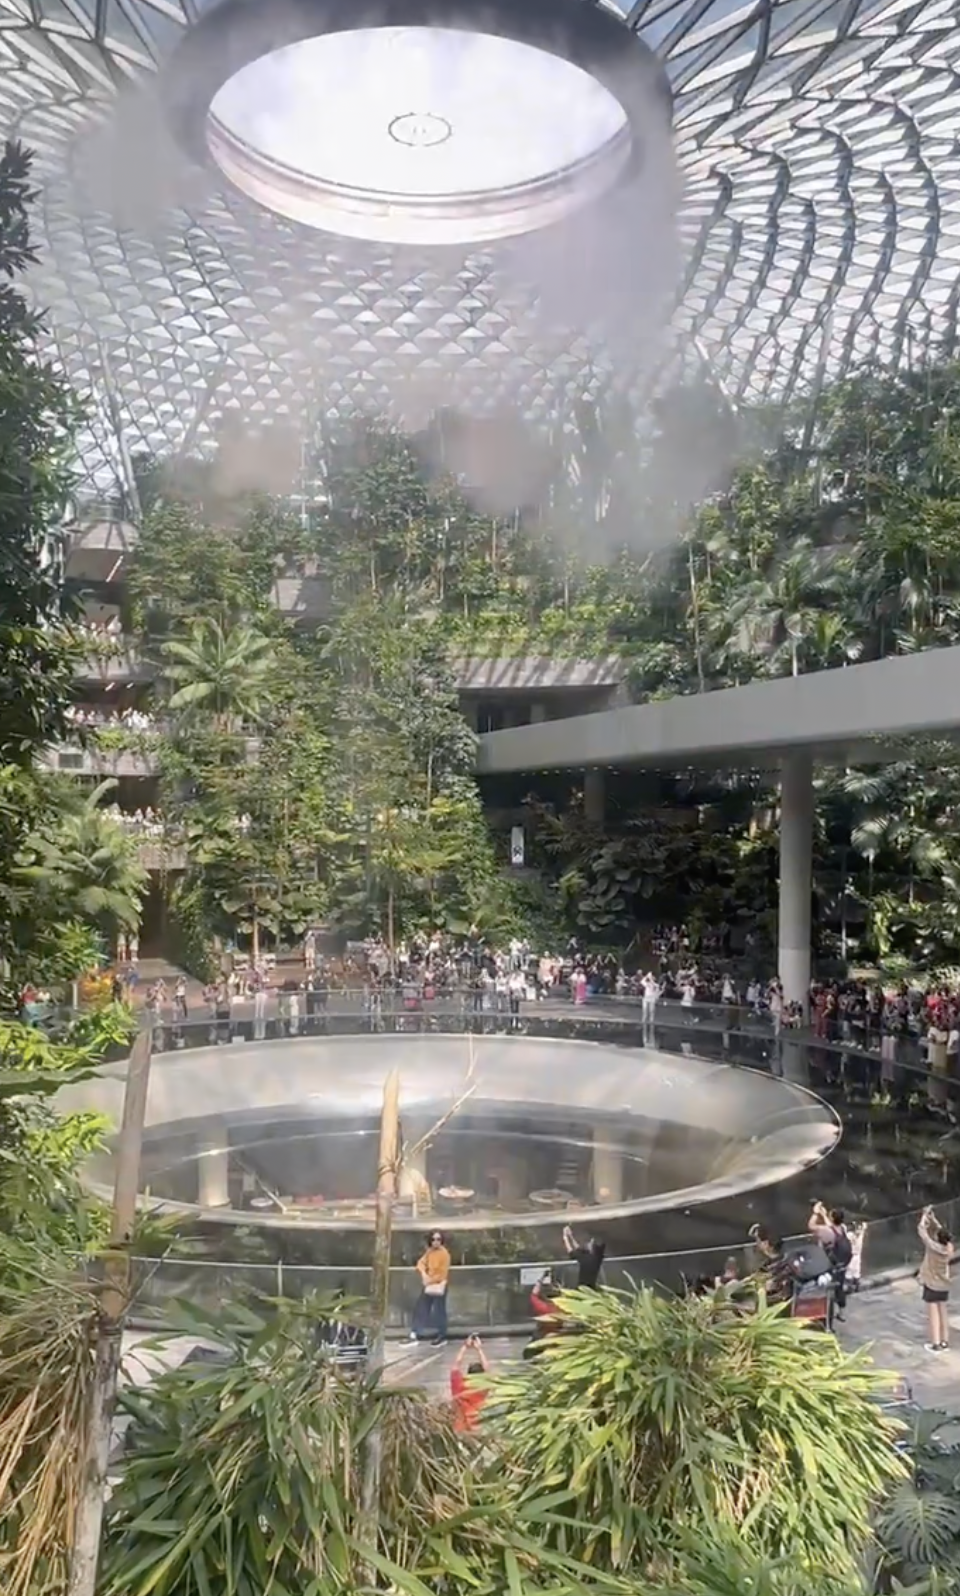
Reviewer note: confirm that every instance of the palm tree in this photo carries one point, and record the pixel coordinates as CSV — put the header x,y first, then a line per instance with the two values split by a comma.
x,y
832,641
89,866
778,613
903,812
219,671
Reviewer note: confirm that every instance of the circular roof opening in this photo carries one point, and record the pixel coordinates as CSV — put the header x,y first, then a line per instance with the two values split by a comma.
x,y
421,124
418,134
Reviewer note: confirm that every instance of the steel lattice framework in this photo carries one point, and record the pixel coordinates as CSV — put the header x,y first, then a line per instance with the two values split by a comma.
x,y
820,221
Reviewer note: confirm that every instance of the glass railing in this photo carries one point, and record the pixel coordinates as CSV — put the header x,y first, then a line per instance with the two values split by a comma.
x,y
330,1011
725,1033
733,1019
493,1296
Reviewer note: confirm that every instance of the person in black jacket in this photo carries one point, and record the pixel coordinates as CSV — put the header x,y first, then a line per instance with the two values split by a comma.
x,y
588,1258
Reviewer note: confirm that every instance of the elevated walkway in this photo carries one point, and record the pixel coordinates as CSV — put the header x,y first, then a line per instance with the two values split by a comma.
x,y
837,716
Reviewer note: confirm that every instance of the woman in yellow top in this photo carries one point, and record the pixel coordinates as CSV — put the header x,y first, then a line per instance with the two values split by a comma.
x,y
430,1313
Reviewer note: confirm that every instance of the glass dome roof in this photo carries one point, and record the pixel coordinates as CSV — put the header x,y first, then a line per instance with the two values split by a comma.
x,y
819,225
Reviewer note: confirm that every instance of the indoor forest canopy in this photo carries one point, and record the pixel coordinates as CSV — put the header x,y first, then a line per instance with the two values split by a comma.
x,y
836,540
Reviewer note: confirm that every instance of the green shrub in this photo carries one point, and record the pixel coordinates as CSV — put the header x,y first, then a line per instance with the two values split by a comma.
x,y
666,1419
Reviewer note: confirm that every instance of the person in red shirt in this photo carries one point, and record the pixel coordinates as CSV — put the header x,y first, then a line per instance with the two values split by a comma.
x,y
467,1399
543,1306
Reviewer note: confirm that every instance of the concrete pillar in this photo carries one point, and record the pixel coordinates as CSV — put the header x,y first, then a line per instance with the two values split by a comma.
x,y
796,876
594,796
213,1169
607,1168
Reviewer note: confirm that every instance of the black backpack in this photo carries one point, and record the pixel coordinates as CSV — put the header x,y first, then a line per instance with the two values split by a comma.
x,y
839,1250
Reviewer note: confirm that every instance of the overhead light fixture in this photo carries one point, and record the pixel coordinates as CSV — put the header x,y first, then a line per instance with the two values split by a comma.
x,y
416,123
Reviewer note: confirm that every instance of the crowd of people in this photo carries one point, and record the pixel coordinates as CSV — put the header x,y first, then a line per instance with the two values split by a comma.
x,y
140,822
151,823
98,629
127,719
869,1015
812,1281
499,977
493,979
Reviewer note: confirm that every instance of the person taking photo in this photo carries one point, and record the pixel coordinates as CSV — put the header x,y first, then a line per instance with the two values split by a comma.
x,y
934,1278
468,1399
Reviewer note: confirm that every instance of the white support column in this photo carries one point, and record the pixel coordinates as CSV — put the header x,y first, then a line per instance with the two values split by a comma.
x,y
213,1171
607,1168
594,796
796,875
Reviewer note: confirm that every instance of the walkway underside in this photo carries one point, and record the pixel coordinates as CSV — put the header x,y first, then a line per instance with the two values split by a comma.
x,y
842,716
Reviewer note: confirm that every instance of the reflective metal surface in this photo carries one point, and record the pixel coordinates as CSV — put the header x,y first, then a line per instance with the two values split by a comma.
x,y
502,1130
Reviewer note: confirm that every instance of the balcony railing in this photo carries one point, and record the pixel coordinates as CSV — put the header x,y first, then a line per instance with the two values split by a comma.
x,y
94,760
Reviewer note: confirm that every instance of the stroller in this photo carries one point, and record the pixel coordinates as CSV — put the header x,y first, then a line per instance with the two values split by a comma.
x,y
814,1301
347,1344
813,1295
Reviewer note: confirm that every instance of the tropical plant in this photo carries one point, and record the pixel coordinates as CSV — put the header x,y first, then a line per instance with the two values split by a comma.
x,y
918,1526
835,541
780,612
664,1417
87,865
245,1476
218,672
42,1149
37,418
48,1317
203,553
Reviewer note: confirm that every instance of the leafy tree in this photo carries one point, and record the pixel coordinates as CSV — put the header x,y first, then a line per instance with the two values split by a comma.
x,y
37,418
41,1150
87,866
836,539
260,833
37,655
200,560
416,846
252,1469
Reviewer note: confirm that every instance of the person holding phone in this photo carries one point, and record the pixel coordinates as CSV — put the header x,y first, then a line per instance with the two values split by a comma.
x,y
588,1258
829,1228
468,1399
934,1278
